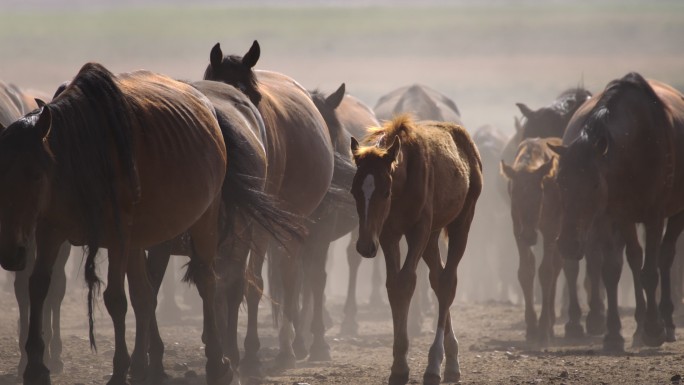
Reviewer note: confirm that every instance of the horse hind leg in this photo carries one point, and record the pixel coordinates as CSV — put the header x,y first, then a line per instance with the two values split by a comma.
x,y
250,366
675,225
157,263
201,272
317,252
141,294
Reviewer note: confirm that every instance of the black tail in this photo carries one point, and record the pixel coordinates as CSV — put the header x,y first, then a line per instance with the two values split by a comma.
x,y
243,195
93,291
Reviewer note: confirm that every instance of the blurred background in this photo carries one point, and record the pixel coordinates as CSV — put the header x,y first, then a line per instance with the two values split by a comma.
x,y
485,55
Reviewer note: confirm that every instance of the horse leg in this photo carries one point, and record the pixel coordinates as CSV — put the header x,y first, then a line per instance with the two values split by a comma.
x,y
611,271
375,299
21,292
317,253
573,328
654,332
432,258
418,304
168,308
288,266
675,225
250,366
595,254
526,278
635,259
141,294
55,298
201,272
549,269
157,262
231,269
115,301
350,327
47,248
399,291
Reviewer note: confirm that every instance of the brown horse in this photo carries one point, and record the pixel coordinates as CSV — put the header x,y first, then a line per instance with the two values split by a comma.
x,y
423,102
119,162
415,180
245,206
620,160
296,138
14,103
533,208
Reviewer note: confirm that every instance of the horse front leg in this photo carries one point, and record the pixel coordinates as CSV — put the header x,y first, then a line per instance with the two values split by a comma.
x,y
526,278
549,269
47,247
350,326
55,298
573,328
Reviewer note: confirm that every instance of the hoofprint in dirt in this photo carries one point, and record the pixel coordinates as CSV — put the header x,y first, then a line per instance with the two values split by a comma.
x,y
491,337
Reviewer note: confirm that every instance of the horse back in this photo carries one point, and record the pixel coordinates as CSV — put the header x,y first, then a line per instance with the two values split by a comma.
x,y
297,138
10,105
179,153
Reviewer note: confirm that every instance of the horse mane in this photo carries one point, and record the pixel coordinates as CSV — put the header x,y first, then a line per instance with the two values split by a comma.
x,y
378,138
600,114
90,117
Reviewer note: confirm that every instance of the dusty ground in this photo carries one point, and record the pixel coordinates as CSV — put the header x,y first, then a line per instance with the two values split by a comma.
x,y
491,337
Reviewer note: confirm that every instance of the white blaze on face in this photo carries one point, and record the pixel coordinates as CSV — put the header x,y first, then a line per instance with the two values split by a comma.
x,y
367,187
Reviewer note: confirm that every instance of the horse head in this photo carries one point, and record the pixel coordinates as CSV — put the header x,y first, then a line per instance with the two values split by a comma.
x,y
525,181
583,188
25,157
372,191
235,70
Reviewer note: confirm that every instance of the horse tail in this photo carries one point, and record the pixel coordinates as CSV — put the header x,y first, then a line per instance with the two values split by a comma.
x,y
94,284
243,192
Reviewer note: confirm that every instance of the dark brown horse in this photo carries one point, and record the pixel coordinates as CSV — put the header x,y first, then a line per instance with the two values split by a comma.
x,y
14,103
551,120
296,138
416,180
533,208
422,102
620,160
123,163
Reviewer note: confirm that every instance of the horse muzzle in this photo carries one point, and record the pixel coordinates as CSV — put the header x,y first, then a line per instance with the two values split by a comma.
x,y
367,249
14,259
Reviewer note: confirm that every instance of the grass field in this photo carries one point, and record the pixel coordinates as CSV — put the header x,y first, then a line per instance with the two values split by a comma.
x,y
485,57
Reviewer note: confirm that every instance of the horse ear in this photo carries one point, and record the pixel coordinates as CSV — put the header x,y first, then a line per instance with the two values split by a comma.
x,y
544,169
216,56
39,102
354,145
560,150
44,122
252,56
507,170
333,100
526,111
394,150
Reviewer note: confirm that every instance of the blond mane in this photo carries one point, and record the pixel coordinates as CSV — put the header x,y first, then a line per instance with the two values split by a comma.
x,y
377,140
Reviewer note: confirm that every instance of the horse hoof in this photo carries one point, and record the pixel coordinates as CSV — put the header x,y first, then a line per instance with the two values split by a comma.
x,y
219,373
320,352
431,379
596,324
670,334
157,374
285,361
137,372
574,331
398,378
613,343
349,328
653,340
452,376
118,380
36,375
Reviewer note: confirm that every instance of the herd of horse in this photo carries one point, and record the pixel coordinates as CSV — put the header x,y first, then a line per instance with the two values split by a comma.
x,y
247,164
